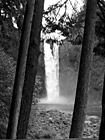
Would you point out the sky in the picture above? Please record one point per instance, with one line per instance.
(51, 2)
(48, 3)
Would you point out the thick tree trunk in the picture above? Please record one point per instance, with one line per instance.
(19, 77)
(102, 126)
(31, 70)
(84, 72)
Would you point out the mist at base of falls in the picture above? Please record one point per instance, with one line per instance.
(59, 100)
(60, 87)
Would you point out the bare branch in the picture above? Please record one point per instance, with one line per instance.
(102, 10)
(73, 6)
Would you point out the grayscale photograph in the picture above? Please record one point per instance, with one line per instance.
(52, 69)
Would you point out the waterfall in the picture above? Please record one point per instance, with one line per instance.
(51, 58)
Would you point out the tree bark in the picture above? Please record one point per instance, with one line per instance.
(102, 125)
(19, 77)
(84, 72)
(31, 70)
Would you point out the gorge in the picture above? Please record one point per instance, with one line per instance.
(63, 60)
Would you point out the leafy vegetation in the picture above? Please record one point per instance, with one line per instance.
(7, 71)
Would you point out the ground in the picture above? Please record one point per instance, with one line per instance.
(46, 124)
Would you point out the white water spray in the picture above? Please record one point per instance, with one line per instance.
(52, 72)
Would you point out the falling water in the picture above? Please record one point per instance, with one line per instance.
(52, 71)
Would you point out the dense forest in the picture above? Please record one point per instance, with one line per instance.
(24, 26)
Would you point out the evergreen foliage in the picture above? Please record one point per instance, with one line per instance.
(7, 72)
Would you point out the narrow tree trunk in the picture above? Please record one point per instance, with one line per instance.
(31, 70)
(102, 126)
(84, 72)
(19, 77)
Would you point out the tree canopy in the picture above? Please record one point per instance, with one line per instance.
(56, 18)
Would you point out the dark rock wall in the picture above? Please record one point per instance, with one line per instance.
(67, 74)
(69, 56)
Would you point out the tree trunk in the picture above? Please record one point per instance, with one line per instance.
(84, 72)
(102, 126)
(19, 77)
(31, 70)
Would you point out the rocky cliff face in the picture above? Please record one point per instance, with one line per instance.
(67, 74)
(69, 65)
